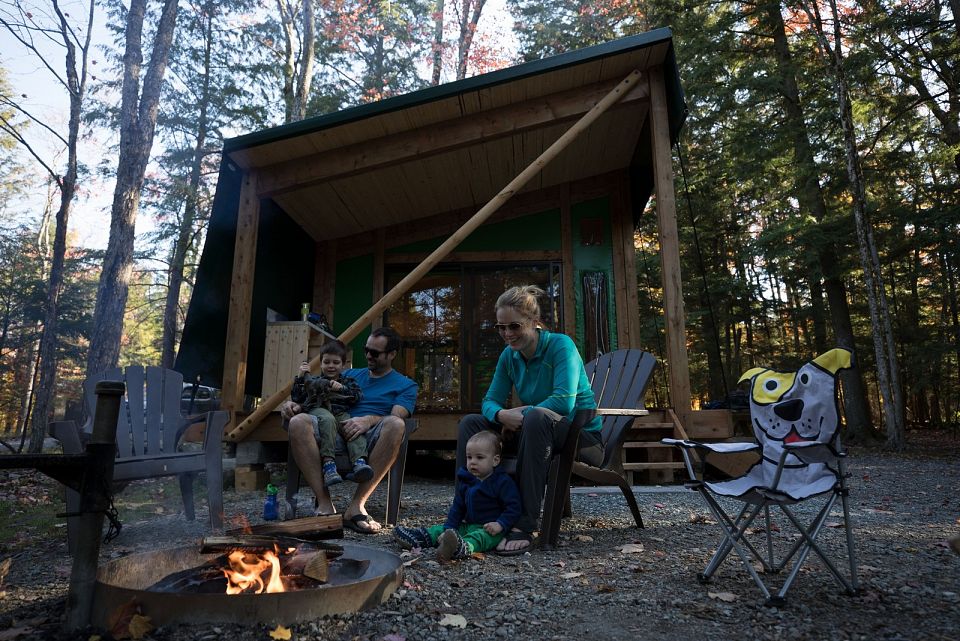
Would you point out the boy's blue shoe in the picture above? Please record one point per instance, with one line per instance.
(412, 537)
(330, 474)
(451, 546)
(361, 472)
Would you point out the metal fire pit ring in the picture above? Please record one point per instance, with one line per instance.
(124, 581)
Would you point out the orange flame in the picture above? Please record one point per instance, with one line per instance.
(246, 569)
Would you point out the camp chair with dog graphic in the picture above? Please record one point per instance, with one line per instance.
(796, 422)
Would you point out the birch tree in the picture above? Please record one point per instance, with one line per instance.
(888, 368)
(138, 117)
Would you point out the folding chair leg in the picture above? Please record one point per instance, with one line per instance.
(733, 531)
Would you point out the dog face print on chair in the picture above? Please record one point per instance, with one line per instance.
(800, 406)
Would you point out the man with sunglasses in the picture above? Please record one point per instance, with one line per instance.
(388, 398)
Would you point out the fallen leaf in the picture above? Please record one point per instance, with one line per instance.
(393, 636)
(118, 624)
(593, 494)
(631, 548)
(583, 538)
(453, 621)
(140, 626)
(571, 575)
(833, 524)
(280, 633)
(868, 568)
(5, 568)
(727, 597)
(606, 589)
(561, 564)
(659, 505)
(94, 637)
(700, 518)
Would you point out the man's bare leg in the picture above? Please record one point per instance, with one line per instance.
(381, 460)
(307, 455)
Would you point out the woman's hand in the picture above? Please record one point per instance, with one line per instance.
(493, 528)
(510, 419)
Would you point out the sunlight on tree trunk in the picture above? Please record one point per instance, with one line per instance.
(138, 118)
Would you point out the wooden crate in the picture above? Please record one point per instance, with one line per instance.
(288, 344)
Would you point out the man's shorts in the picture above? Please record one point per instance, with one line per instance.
(373, 434)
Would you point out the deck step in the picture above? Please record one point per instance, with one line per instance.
(645, 425)
(666, 465)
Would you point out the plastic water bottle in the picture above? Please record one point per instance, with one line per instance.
(270, 505)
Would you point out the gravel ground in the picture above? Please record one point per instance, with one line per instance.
(905, 509)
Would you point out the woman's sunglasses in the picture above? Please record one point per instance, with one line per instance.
(513, 327)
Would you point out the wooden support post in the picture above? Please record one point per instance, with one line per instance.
(94, 500)
(569, 273)
(241, 298)
(448, 245)
(669, 247)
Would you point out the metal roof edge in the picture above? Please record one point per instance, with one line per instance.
(430, 94)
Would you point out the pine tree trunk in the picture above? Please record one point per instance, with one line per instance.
(437, 42)
(289, 59)
(884, 348)
(859, 425)
(468, 28)
(308, 42)
(138, 118)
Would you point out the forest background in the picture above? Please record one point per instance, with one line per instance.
(817, 173)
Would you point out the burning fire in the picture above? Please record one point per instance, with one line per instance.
(246, 569)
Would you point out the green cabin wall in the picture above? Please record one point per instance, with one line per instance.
(538, 231)
(352, 298)
(593, 258)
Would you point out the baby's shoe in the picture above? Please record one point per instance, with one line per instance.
(330, 474)
(361, 472)
(412, 537)
(450, 546)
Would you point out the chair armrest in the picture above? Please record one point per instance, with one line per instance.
(714, 448)
(812, 452)
(68, 434)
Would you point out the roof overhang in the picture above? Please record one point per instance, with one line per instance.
(455, 146)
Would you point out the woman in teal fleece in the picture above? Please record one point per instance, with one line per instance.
(547, 372)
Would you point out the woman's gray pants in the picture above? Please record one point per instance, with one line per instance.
(541, 433)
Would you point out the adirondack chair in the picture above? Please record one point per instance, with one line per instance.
(619, 380)
(148, 438)
(394, 478)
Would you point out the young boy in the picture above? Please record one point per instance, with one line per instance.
(327, 398)
(486, 505)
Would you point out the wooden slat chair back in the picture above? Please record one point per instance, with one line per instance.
(619, 381)
(394, 478)
(149, 430)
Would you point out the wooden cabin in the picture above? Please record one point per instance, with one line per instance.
(336, 210)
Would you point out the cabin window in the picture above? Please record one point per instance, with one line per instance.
(446, 325)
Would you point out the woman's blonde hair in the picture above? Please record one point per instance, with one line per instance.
(522, 298)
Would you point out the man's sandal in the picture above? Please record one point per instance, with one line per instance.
(513, 535)
(353, 522)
